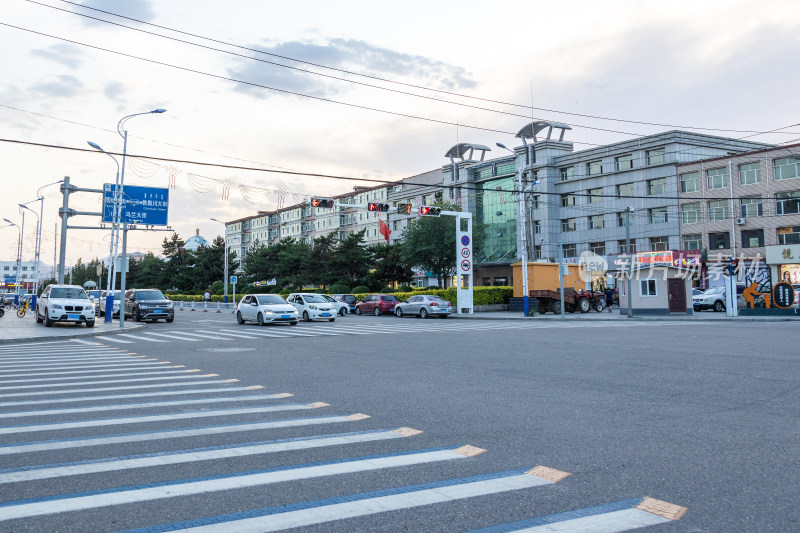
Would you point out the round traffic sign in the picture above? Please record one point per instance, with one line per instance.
(233, 280)
(465, 252)
(465, 240)
(465, 265)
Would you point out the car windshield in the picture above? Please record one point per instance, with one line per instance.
(328, 298)
(313, 299)
(390, 298)
(270, 299)
(72, 293)
(96, 294)
(435, 298)
(149, 295)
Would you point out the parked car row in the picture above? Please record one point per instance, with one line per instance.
(71, 303)
(271, 308)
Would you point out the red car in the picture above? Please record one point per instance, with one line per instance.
(377, 304)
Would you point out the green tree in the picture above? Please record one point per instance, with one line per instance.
(429, 243)
(176, 265)
(322, 253)
(351, 260)
(391, 264)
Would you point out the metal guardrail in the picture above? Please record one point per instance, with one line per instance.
(206, 307)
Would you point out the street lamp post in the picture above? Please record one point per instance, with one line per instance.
(19, 249)
(119, 190)
(225, 280)
(112, 249)
(631, 257)
(36, 254)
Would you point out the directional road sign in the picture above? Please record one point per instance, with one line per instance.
(140, 205)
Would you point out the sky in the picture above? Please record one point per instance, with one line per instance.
(376, 91)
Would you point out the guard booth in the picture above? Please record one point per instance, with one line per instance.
(656, 290)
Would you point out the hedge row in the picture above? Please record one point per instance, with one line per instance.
(480, 296)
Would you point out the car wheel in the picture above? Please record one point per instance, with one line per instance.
(90, 323)
(342, 311)
(306, 318)
(423, 313)
(169, 320)
(38, 318)
(377, 312)
(260, 319)
(358, 311)
(47, 321)
(555, 307)
(293, 323)
(598, 306)
(239, 319)
(331, 319)
(137, 316)
(584, 305)
(719, 306)
(398, 312)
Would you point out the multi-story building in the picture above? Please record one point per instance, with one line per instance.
(26, 274)
(745, 206)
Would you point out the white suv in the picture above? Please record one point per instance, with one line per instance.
(65, 303)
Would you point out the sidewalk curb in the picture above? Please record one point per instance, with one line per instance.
(25, 340)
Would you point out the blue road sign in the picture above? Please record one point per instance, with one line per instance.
(233, 280)
(140, 205)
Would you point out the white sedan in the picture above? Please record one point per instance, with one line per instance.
(265, 309)
(312, 307)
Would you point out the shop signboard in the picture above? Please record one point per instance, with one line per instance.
(783, 295)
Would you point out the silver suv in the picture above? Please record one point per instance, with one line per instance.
(65, 303)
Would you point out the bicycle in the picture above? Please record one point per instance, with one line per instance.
(21, 309)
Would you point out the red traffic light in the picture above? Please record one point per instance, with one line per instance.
(377, 206)
(322, 202)
(430, 211)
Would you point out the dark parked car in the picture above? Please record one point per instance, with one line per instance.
(148, 304)
(349, 299)
(377, 304)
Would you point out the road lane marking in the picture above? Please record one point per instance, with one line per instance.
(356, 505)
(127, 387)
(210, 453)
(125, 374)
(63, 444)
(140, 363)
(139, 337)
(241, 480)
(114, 339)
(607, 518)
(59, 426)
(107, 381)
(173, 336)
(125, 396)
(146, 405)
(123, 369)
(205, 336)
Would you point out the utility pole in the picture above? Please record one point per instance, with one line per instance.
(65, 190)
(628, 211)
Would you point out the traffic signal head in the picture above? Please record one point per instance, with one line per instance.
(322, 202)
(430, 211)
(377, 206)
(404, 209)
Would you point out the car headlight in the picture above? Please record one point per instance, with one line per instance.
(57, 306)
(312, 306)
(268, 312)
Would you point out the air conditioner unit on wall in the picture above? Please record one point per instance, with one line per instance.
(741, 220)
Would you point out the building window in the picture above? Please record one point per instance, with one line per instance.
(657, 156)
(623, 246)
(594, 168)
(659, 244)
(596, 222)
(753, 238)
(690, 213)
(786, 168)
(787, 203)
(537, 252)
(595, 195)
(598, 247)
(718, 210)
(569, 224)
(658, 215)
(24, 268)
(647, 287)
(535, 202)
(483, 173)
(570, 250)
(506, 168)
(690, 182)
(567, 173)
(752, 207)
(717, 178)
(567, 200)
(624, 162)
(719, 241)
(786, 235)
(622, 217)
(749, 174)
(537, 226)
(692, 242)
(626, 189)
(657, 186)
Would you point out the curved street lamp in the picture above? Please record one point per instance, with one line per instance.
(225, 281)
(19, 251)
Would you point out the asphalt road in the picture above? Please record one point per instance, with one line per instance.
(698, 415)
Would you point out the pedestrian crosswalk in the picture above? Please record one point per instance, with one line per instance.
(390, 327)
(146, 445)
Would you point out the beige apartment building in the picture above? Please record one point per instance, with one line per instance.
(743, 206)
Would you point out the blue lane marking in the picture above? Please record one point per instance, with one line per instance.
(319, 503)
(192, 450)
(164, 430)
(211, 478)
(561, 517)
